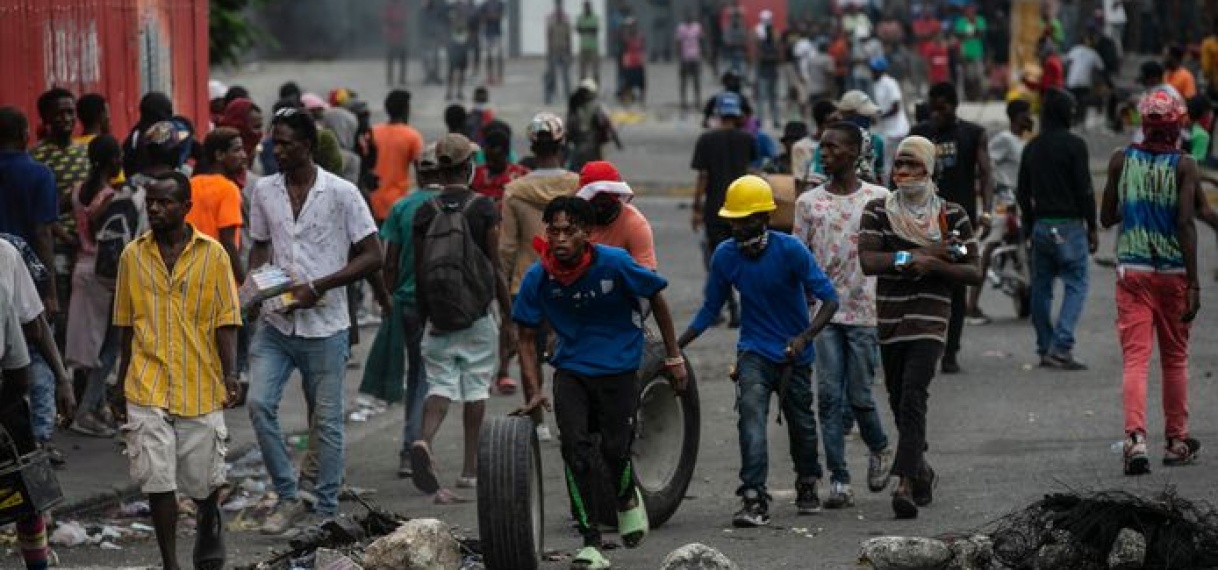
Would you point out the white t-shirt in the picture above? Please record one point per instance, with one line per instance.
(888, 92)
(1005, 150)
(829, 225)
(16, 286)
(13, 352)
(1082, 62)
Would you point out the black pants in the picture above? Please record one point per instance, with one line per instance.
(908, 369)
(955, 325)
(1082, 98)
(395, 59)
(583, 406)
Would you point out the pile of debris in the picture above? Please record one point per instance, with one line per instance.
(1110, 530)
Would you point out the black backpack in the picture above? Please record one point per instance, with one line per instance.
(457, 277)
(117, 229)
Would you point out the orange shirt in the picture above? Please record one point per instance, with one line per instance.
(215, 203)
(631, 232)
(1182, 80)
(397, 147)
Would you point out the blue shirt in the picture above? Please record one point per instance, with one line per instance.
(27, 194)
(597, 318)
(775, 294)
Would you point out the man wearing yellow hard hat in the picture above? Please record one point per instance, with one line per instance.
(778, 280)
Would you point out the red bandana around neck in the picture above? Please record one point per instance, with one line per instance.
(563, 274)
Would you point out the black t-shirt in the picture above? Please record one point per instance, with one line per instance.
(956, 161)
(725, 155)
(482, 215)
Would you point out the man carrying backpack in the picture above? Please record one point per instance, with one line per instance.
(458, 277)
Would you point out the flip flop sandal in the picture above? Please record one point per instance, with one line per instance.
(590, 559)
(632, 525)
(209, 552)
(423, 470)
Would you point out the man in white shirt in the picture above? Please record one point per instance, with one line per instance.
(893, 123)
(307, 221)
(1082, 64)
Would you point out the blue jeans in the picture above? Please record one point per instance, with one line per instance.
(322, 363)
(558, 68)
(42, 397)
(757, 379)
(767, 94)
(94, 397)
(416, 381)
(1067, 261)
(845, 368)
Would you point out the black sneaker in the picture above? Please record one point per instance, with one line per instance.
(922, 487)
(1064, 361)
(754, 513)
(949, 364)
(903, 505)
(807, 501)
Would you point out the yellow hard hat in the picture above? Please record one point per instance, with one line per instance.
(746, 196)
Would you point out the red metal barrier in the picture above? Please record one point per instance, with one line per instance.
(119, 48)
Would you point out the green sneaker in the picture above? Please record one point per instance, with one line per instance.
(590, 559)
(632, 525)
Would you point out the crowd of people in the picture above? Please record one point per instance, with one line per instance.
(123, 261)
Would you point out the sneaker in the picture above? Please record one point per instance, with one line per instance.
(1181, 451)
(89, 424)
(903, 505)
(923, 487)
(1065, 361)
(754, 513)
(840, 496)
(878, 470)
(285, 516)
(423, 468)
(1137, 461)
(806, 499)
(949, 364)
(543, 433)
(467, 482)
(977, 318)
(404, 471)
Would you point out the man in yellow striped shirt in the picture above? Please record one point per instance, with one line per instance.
(176, 304)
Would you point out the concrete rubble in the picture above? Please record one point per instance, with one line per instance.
(1128, 551)
(697, 556)
(974, 552)
(419, 544)
(905, 553)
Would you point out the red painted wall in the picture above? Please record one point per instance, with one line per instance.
(119, 48)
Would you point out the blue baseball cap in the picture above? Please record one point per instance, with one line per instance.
(727, 104)
(878, 63)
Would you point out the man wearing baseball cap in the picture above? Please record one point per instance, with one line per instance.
(893, 123)
(460, 344)
(617, 223)
(721, 155)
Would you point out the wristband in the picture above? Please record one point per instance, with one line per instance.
(674, 362)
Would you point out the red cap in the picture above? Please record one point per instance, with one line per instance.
(598, 171)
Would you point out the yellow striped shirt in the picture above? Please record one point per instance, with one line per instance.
(175, 364)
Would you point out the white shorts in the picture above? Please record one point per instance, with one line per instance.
(461, 364)
(169, 453)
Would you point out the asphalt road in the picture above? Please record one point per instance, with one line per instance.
(1002, 434)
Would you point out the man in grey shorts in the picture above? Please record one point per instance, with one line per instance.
(176, 305)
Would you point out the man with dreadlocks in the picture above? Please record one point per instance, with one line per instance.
(1151, 192)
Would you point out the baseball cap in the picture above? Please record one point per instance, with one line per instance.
(857, 102)
(313, 101)
(878, 63)
(452, 150)
(427, 158)
(546, 123)
(727, 104)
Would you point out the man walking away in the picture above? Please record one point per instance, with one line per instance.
(338, 248)
(1151, 192)
(769, 59)
(721, 156)
(1083, 65)
(558, 53)
(459, 38)
(962, 174)
(397, 147)
(596, 360)
(175, 393)
(588, 25)
(827, 220)
(919, 245)
(1057, 204)
(492, 28)
(456, 236)
(689, 48)
(1006, 150)
(779, 282)
(396, 43)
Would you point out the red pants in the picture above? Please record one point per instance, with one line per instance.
(1150, 304)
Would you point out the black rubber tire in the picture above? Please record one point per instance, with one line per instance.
(511, 510)
(1023, 302)
(664, 491)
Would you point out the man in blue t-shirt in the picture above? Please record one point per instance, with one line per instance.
(591, 295)
(29, 202)
(778, 281)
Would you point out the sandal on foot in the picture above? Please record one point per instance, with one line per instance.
(590, 559)
(423, 469)
(209, 551)
(632, 524)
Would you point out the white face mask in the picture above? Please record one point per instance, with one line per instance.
(915, 189)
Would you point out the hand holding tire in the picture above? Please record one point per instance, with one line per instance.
(679, 377)
(533, 403)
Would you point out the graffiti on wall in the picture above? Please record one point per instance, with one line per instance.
(71, 52)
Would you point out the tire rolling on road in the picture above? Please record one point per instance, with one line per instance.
(511, 510)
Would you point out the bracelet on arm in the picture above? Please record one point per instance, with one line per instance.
(674, 362)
